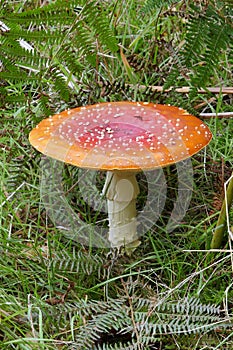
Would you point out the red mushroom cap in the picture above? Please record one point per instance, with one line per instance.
(121, 136)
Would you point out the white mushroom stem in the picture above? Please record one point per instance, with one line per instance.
(121, 190)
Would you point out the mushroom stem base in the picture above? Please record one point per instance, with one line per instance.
(121, 190)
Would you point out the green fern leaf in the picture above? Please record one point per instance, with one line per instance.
(94, 15)
(209, 35)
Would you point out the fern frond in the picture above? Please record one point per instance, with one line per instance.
(83, 40)
(119, 346)
(197, 32)
(16, 77)
(78, 262)
(112, 325)
(209, 35)
(51, 45)
(59, 82)
(66, 55)
(94, 16)
(48, 14)
(47, 35)
(216, 44)
(43, 103)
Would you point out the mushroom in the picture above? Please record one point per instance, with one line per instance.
(122, 138)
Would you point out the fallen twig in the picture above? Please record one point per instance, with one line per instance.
(219, 115)
(187, 89)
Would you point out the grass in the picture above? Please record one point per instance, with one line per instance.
(54, 289)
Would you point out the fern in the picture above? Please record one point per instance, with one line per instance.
(48, 14)
(125, 346)
(50, 45)
(114, 324)
(77, 262)
(209, 35)
(63, 42)
(96, 18)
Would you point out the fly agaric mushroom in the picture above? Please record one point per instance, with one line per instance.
(122, 138)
